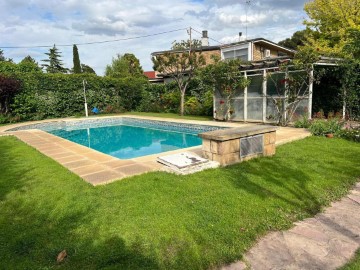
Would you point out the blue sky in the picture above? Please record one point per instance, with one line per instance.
(40, 22)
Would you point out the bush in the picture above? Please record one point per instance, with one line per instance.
(192, 106)
(320, 127)
(352, 134)
(303, 122)
(159, 98)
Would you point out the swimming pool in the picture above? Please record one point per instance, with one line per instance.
(127, 138)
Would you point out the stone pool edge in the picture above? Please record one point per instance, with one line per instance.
(95, 167)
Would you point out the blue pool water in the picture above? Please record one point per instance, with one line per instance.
(125, 142)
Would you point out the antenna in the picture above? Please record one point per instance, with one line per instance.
(246, 18)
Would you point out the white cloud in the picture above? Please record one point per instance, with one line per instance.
(40, 22)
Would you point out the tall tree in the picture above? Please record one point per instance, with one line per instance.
(126, 65)
(180, 64)
(297, 39)
(54, 63)
(76, 60)
(350, 76)
(87, 69)
(331, 20)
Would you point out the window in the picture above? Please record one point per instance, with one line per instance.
(241, 54)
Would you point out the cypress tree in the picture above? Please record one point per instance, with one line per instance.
(76, 60)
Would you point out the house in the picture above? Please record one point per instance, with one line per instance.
(257, 49)
(153, 77)
(259, 56)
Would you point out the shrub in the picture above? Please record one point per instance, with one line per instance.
(193, 106)
(352, 134)
(320, 127)
(303, 122)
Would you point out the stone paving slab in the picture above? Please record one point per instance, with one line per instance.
(324, 242)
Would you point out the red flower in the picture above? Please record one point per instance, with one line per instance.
(222, 102)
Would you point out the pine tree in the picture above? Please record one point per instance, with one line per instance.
(76, 60)
(55, 65)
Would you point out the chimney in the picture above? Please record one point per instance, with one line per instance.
(204, 39)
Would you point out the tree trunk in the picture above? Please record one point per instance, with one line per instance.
(182, 101)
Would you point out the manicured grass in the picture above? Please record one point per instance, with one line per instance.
(160, 220)
(354, 264)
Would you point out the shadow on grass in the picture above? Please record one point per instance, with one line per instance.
(33, 239)
(37, 224)
(290, 180)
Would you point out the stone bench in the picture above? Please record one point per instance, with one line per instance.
(233, 145)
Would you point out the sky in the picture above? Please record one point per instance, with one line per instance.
(139, 26)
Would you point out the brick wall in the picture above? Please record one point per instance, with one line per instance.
(207, 56)
(258, 55)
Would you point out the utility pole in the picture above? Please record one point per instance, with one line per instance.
(246, 19)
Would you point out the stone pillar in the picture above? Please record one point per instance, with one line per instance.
(224, 146)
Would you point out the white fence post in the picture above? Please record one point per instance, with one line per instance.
(264, 90)
(311, 85)
(245, 99)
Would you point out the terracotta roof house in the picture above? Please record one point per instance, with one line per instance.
(153, 77)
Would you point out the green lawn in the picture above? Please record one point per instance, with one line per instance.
(160, 220)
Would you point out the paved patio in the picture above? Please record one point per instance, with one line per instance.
(97, 168)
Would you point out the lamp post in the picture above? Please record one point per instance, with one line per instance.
(85, 104)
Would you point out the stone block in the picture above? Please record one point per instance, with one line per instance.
(269, 150)
(207, 155)
(225, 147)
(206, 145)
(272, 137)
(269, 138)
(226, 159)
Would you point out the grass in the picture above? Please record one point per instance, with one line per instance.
(159, 220)
(354, 264)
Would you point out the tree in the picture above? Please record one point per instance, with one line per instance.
(123, 66)
(8, 88)
(76, 60)
(292, 84)
(55, 65)
(87, 69)
(297, 39)
(28, 64)
(350, 75)
(331, 20)
(225, 78)
(180, 64)
(2, 57)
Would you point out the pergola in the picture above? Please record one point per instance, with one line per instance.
(255, 103)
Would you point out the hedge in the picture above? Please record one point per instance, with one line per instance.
(45, 95)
